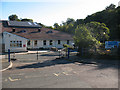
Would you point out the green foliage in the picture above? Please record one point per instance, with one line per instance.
(25, 19)
(70, 20)
(68, 26)
(110, 16)
(56, 26)
(83, 37)
(98, 30)
(13, 17)
(41, 24)
(67, 46)
(50, 27)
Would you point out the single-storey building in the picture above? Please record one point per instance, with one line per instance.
(20, 36)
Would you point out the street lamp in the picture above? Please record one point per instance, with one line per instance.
(103, 36)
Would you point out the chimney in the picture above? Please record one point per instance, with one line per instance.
(13, 30)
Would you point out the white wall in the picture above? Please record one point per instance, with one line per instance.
(0, 43)
(55, 44)
(11, 37)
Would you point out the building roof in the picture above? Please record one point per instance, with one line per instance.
(22, 24)
(39, 33)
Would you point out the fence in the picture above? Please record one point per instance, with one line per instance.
(32, 56)
(68, 52)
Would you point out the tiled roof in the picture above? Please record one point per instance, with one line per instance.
(43, 34)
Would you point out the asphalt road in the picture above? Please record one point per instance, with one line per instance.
(49, 72)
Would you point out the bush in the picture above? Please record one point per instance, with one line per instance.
(68, 46)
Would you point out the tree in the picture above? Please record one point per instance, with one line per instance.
(70, 20)
(41, 24)
(83, 37)
(13, 17)
(25, 19)
(110, 18)
(98, 30)
(56, 26)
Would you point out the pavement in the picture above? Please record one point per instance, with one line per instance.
(5, 65)
(49, 72)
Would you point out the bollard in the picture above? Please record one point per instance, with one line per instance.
(8, 55)
(59, 53)
(68, 52)
(37, 55)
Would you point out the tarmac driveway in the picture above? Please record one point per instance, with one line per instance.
(49, 72)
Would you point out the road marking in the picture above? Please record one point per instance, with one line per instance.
(65, 73)
(10, 66)
(56, 74)
(12, 80)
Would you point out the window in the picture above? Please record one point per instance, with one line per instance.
(20, 43)
(11, 44)
(13, 29)
(51, 42)
(67, 41)
(59, 42)
(44, 42)
(35, 42)
(28, 43)
(15, 43)
(39, 30)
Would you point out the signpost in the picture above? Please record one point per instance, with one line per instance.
(68, 52)
(111, 44)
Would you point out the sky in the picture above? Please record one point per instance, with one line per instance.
(49, 12)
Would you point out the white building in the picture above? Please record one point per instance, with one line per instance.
(20, 36)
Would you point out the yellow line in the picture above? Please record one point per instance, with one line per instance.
(12, 80)
(56, 74)
(65, 73)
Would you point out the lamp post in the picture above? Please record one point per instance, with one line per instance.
(103, 36)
